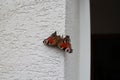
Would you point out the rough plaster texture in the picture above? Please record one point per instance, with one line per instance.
(24, 24)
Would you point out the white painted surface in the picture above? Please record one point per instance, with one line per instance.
(77, 64)
(72, 29)
(24, 24)
(85, 48)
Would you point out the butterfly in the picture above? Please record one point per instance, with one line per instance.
(58, 41)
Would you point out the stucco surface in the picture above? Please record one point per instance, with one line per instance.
(24, 24)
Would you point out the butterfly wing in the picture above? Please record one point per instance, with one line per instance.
(52, 40)
(65, 44)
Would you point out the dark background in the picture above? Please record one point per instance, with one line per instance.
(105, 39)
(105, 16)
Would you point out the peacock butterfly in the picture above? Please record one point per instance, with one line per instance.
(58, 41)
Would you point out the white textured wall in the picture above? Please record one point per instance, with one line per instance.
(23, 26)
